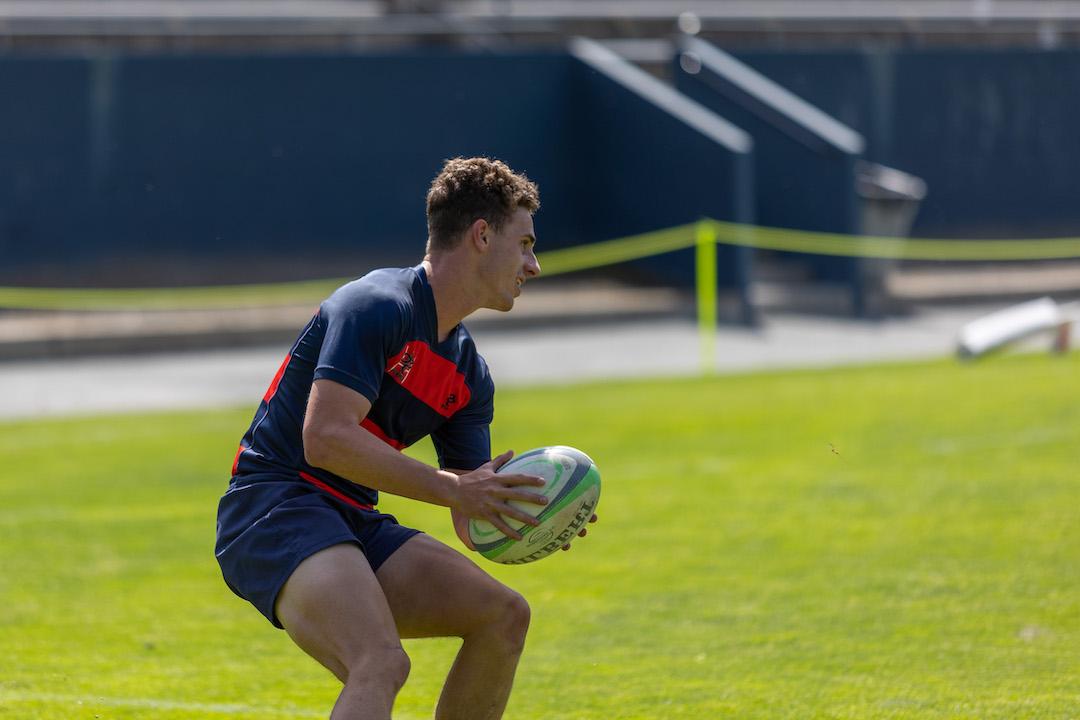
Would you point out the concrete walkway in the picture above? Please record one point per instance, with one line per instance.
(519, 353)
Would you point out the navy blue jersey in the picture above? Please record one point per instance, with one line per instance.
(379, 336)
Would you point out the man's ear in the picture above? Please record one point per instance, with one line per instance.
(479, 234)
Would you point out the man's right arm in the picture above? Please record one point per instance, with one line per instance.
(334, 441)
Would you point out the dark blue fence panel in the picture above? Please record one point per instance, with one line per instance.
(996, 137)
(45, 133)
(242, 168)
(309, 155)
(991, 131)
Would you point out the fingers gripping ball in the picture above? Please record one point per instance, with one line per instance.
(572, 486)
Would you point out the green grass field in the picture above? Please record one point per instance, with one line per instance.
(884, 542)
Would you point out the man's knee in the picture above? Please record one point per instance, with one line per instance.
(388, 667)
(518, 616)
(509, 621)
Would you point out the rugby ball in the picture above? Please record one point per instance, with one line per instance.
(572, 486)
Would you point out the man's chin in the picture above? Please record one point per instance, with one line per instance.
(501, 305)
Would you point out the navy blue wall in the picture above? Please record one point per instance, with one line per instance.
(44, 157)
(270, 153)
(992, 132)
(154, 169)
(157, 161)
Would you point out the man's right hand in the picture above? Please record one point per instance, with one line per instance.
(484, 494)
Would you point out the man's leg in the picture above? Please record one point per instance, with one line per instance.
(333, 607)
(435, 591)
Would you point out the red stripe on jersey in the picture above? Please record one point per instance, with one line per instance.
(429, 377)
(335, 492)
(369, 425)
(272, 390)
(236, 460)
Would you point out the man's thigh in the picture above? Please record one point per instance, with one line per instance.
(435, 591)
(333, 607)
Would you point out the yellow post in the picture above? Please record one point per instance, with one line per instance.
(706, 294)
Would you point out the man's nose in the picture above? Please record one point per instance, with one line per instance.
(532, 266)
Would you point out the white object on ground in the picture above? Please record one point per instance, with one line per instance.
(1015, 323)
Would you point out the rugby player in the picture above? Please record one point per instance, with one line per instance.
(385, 362)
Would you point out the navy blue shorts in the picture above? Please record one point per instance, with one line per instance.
(266, 528)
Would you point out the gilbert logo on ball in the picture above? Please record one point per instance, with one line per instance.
(572, 486)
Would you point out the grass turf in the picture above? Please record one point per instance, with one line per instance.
(890, 542)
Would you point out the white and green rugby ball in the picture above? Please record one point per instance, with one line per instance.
(572, 486)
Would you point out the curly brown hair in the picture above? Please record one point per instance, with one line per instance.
(470, 189)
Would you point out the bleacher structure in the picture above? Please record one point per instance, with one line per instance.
(752, 136)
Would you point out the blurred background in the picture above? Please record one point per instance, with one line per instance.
(189, 143)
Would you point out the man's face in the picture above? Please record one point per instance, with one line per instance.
(510, 260)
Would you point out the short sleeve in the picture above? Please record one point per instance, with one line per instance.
(464, 441)
(361, 332)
